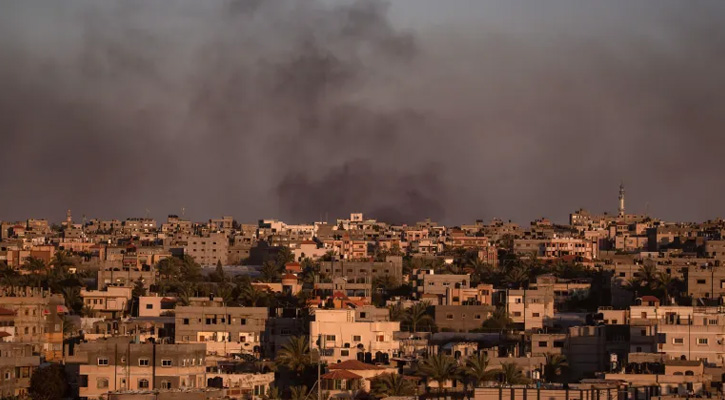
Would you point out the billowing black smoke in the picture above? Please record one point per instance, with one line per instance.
(300, 109)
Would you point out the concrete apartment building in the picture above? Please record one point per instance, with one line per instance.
(18, 362)
(563, 289)
(113, 274)
(118, 365)
(38, 318)
(480, 295)
(706, 282)
(224, 330)
(113, 301)
(458, 318)
(393, 266)
(208, 250)
(556, 247)
(532, 309)
(345, 336)
(430, 284)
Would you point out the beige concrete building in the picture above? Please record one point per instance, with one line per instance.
(118, 365)
(111, 302)
(344, 337)
(458, 318)
(38, 318)
(208, 250)
(224, 330)
(532, 309)
(17, 365)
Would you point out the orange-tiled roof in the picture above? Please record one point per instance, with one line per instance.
(355, 365)
(340, 374)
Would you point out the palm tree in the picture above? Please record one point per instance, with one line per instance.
(648, 274)
(475, 369)
(479, 270)
(439, 367)
(388, 384)
(37, 267)
(517, 276)
(397, 312)
(272, 393)
(269, 272)
(298, 392)
(62, 260)
(252, 296)
(555, 365)
(295, 354)
(665, 282)
(498, 321)
(417, 315)
(511, 374)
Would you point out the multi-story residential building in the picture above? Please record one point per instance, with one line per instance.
(114, 274)
(116, 365)
(18, 362)
(563, 289)
(458, 318)
(38, 318)
(430, 284)
(342, 336)
(111, 301)
(224, 330)
(531, 309)
(393, 266)
(706, 282)
(556, 247)
(480, 295)
(208, 250)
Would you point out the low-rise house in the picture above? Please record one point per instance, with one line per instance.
(112, 302)
(18, 362)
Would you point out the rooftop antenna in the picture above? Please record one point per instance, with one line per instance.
(183, 212)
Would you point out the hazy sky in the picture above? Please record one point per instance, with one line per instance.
(296, 109)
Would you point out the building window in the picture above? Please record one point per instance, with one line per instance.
(186, 321)
(678, 340)
(330, 338)
(143, 362)
(149, 306)
(143, 384)
(700, 281)
(702, 340)
(517, 313)
(102, 383)
(243, 321)
(536, 315)
(558, 343)
(103, 361)
(543, 344)
(381, 338)
(356, 338)
(477, 316)
(166, 363)
(165, 385)
(449, 316)
(344, 353)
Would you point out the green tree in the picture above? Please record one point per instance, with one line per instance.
(253, 297)
(139, 289)
(396, 312)
(417, 315)
(476, 370)
(295, 354)
(555, 366)
(284, 256)
(389, 384)
(73, 300)
(49, 383)
(269, 272)
(511, 374)
(498, 321)
(439, 368)
(272, 393)
(298, 392)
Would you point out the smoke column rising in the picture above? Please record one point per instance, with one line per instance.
(297, 109)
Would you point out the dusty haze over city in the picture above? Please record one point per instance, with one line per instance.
(296, 109)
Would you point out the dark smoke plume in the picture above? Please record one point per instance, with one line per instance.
(402, 110)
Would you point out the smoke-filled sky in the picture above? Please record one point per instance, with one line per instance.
(453, 110)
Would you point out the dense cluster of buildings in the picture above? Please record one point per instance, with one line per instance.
(628, 305)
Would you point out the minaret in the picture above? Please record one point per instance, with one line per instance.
(621, 200)
(68, 218)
